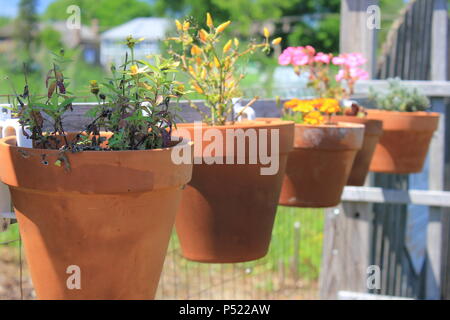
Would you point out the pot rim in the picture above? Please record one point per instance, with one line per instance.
(9, 142)
(416, 114)
(373, 126)
(258, 122)
(336, 125)
(94, 172)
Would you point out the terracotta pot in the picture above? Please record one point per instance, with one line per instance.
(111, 215)
(372, 133)
(319, 166)
(404, 143)
(228, 210)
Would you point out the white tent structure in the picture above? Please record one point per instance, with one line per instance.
(153, 30)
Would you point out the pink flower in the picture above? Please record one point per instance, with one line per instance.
(351, 60)
(340, 60)
(323, 58)
(284, 59)
(355, 60)
(340, 76)
(358, 74)
(310, 50)
(300, 58)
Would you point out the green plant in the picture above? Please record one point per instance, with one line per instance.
(132, 111)
(399, 98)
(34, 110)
(210, 64)
(134, 104)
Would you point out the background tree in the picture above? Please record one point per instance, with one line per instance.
(26, 26)
(110, 13)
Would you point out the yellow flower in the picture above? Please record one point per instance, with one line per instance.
(291, 103)
(266, 32)
(209, 20)
(134, 70)
(236, 42)
(195, 50)
(223, 26)
(203, 35)
(313, 118)
(94, 87)
(329, 106)
(216, 62)
(178, 24)
(186, 26)
(191, 70)
(197, 88)
(227, 46)
(276, 41)
(304, 106)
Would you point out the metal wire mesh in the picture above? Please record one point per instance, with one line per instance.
(289, 271)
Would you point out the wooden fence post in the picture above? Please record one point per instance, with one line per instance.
(346, 249)
(435, 232)
(357, 33)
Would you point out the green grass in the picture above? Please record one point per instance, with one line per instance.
(11, 234)
(309, 236)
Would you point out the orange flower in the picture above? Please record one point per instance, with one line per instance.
(313, 118)
(203, 35)
(329, 106)
(227, 46)
(197, 88)
(223, 26)
(195, 50)
(291, 103)
(298, 105)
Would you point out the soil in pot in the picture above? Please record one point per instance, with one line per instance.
(320, 163)
(228, 210)
(101, 229)
(372, 133)
(405, 141)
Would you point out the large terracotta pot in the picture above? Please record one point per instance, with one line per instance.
(228, 210)
(111, 216)
(404, 143)
(319, 166)
(372, 133)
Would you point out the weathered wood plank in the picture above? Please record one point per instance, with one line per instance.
(428, 88)
(392, 196)
(346, 249)
(354, 19)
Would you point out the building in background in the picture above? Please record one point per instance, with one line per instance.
(113, 48)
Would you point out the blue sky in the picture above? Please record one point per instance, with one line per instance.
(9, 7)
